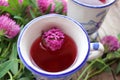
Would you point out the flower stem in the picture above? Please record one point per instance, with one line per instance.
(101, 70)
(11, 78)
(87, 76)
(97, 72)
(4, 54)
(84, 71)
(21, 67)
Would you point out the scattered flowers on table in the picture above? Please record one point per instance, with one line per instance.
(53, 38)
(110, 43)
(105, 62)
(8, 26)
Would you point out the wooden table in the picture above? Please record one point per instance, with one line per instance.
(111, 26)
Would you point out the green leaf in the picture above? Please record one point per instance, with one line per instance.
(1, 9)
(113, 55)
(2, 32)
(6, 49)
(49, 8)
(26, 75)
(99, 64)
(15, 8)
(20, 18)
(33, 3)
(24, 78)
(8, 10)
(13, 55)
(58, 7)
(118, 69)
(4, 67)
(14, 5)
(32, 14)
(25, 3)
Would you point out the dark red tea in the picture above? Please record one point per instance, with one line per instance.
(54, 61)
(103, 1)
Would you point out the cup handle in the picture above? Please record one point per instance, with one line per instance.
(96, 50)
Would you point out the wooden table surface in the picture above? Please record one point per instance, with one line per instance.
(110, 26)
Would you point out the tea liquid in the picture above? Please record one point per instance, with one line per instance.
(54, 61)
(103, 1)
(94, 2)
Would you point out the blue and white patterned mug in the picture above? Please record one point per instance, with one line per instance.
(85, 49)
(90, 16)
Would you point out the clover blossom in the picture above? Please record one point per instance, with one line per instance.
(64, 6)
(3, 3)
(111, 43)
(53, 39)
(44, 4)
(20, 1)
(8, 26)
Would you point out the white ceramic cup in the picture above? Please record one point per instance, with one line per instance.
(90, 16)
(85, 49)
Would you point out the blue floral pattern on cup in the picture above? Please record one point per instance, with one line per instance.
(90, 16)
(94, 24)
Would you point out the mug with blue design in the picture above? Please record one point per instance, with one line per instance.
(85, 50)
(89, 14)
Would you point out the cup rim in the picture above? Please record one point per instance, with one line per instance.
(52, 75)
(94, 6)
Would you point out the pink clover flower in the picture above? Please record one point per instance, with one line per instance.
(111, 43)
(9, 26)
(53, 38)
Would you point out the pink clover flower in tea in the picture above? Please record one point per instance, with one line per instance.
(53, 39)
(3, 3)
(111, 43)
(44, 4)
(9, 26)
